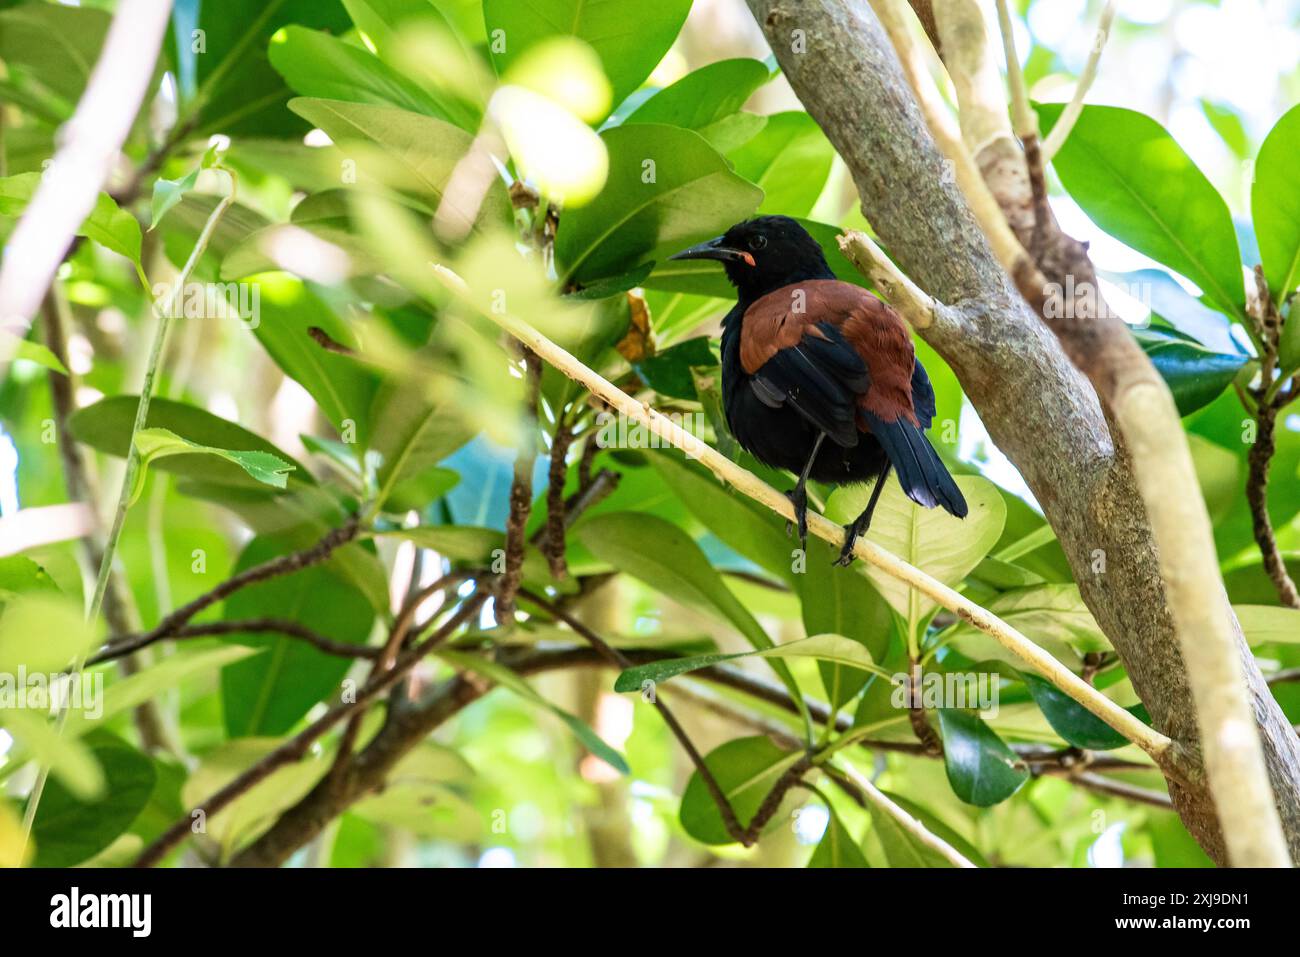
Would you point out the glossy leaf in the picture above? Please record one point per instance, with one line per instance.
(837, 847)
(1275, 209)
(832, 648)
(1138, 184)
(629, 38)
(981, 769)
(106, 427)
(790, 159)
(1195, 375)
(156, 444)
(68, 830)
(229, 82)
(266, 694)
(1071, 720)
(704, 96)
(318, 65)
(667, 189)
(745, 769)
(944, 547)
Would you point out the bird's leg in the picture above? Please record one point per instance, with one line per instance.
(799, 496)
(860, 524)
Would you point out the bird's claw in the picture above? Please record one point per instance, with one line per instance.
(798, 497)
(851, 535)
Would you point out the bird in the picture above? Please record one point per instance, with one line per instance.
(820, 377)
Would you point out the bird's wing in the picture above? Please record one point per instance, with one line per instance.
(792, 347)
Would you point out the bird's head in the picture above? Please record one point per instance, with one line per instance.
(764, 254)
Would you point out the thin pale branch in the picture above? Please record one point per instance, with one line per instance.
(1065, 123)
(1150, 740)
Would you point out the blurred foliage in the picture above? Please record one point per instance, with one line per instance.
(552, 154)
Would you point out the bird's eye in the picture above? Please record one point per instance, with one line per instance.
(758, 242)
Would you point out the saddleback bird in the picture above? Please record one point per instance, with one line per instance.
(807, 358)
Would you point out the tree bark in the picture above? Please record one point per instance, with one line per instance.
(1037, 407)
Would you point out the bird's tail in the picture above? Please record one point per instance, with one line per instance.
(920, 471)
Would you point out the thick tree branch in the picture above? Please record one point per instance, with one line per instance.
(1009, 362)
(1100, 344)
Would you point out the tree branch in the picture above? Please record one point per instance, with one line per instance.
(1008, 362)
(749, 484)
(91, 141)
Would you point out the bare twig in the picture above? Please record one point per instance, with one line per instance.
(521, 494)
(1065, 123)
(559, 470)
(128, 644)
(297, 747)
(272, 568)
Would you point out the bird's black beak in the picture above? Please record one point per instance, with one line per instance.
(715, 249)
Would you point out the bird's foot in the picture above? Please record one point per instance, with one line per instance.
(852, 532)
(798, 497)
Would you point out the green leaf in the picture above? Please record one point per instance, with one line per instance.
(155, 444)
(1135, 182)
(833, 648)
(1227, 123)
(319, 65)
(20, 575)
(837, 847)
(704, 96)
(1071, 720)
(507, 678)
(411, 435)
(68, 830)
(669, 372)
(745, 770)
(342, 385)
(124, 694)
(692, 194)
(418, 152)
(42, 632)
(476, 546)
(106, 427)
(33, 352)
(1268, 624)
(1195, 375)
(981, 768)
(69, 760)
(665, 558)
(630, 38)
(790, 159)
(901, 847)
(167, 193)
(1053, 616)
(739, 522)
(838, 601)
(230, 81)
(54, 45)
(108, 224)
(944, 547)
(255, 810)
(1275, 209)
(267, 694)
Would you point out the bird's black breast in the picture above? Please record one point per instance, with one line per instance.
(781, 437)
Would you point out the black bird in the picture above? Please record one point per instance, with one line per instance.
(807, 358)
